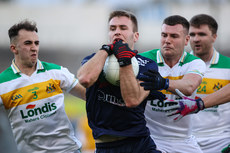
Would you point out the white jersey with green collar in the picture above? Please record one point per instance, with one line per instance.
(214, 121)
(35, 107)
(161, 126)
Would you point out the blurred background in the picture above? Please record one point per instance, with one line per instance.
(69, 30)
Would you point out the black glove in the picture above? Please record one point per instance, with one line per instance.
(153, 81)
(108, 48)
(154, 94)
(123, 53)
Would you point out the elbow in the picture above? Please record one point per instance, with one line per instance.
(189, 91)
(84, 81)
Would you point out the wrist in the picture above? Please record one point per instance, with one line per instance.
(200, 104)
(166, 86)
(124, 61)
(107, 48)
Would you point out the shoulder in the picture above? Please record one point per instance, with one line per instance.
(146, 63)
(222, 63)
(144, 60)
(152, 54)
(50, 66)
(189, 57)
(8, 75)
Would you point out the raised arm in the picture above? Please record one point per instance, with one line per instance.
(133, 94)
(90, 71)
(131, 91)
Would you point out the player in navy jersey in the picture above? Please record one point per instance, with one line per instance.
(116, 113)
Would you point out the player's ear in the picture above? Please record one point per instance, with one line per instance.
(13, 48)
(136, 36)
(214, 36)
(187, 37)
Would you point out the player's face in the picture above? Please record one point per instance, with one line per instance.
(26, 48)
(201, 40)
(173, 40)
(122, 28)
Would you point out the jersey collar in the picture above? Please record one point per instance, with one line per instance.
(215, 56)
(17, 70)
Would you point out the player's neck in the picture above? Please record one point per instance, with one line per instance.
(27, 70)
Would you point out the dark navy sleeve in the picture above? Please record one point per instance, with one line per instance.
(145, 64)
(87, 58)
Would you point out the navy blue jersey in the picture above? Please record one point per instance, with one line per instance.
(106, 110)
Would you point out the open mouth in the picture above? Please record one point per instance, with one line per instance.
(117, 39)
(197, 46)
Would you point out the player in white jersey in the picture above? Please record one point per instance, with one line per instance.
(31, 91)
(212, 125)
(184, 71)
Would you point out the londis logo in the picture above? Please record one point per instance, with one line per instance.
(31, 111)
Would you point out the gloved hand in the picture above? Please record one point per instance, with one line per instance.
(123, 53)
(108, 48)
(184, 106)
(154, 94)
(153, 81)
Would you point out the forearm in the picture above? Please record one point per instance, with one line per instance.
(184, 87)
(187, 85)
(131, 91)
(219, 97)
(91, 70)
(79, 91)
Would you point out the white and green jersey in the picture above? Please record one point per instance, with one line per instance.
(35, 107)
(161, 126)
(214, 121)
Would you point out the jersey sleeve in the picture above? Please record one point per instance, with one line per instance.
(197, 67)
(87, 58)
(145, 64)
(68, 80)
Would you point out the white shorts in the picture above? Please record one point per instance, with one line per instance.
(188, 145)
(213, 144)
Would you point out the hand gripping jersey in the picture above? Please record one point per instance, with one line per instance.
(161, 126)
(214, 123)
(35, 107)
(106, 110)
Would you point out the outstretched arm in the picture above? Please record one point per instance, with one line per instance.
(154, 81)
(219, 97)
(78, 91)
(185, 106)
(187, 85)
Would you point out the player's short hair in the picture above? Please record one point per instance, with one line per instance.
(177, 19)
(24, 24)
(204, 19)
(127, 14)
